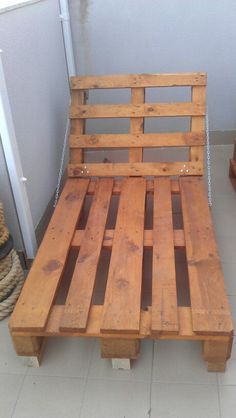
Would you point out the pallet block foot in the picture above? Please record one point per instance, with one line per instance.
(30, 361)
(29, 348)
(115, 348)
(216, 354)
(121, 363)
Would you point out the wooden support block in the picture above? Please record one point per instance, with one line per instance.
(31, 347)
(216, 353)
(121, 363)
(115, 348)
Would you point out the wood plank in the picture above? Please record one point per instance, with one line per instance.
(177, 139)
(137, 124)
(179, 241)
(141, 110)
(135, 169)
(94, 324)
(210, 307)
(80, 293)
(118, 183)
(123, 292)
(164, 294)
(34, 304)
(77, 126)
(198, 123)
(138, 80)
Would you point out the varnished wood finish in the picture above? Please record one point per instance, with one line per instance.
(137, 111)
(138, 80)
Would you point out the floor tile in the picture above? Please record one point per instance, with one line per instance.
(184, 401)
(116, 399)
(141, 368)
(180, 361)
(68, 357)
(227, 248)
(232, 301)
(229, 270)
(228, 401)
(4, 322)
(9, 361)
(223, 213)
(50, 397)
(229, 376)
(10, 387)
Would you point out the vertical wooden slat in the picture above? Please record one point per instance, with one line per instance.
(79, 297)
(164, 295)
(77, 125)
(136, 124)
(38, 294)
(209, 304)
(123, 293)
(198, 123)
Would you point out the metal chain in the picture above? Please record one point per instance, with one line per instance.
(208, 161)
(60, 173)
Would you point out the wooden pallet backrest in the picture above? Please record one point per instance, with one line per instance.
(137, 140)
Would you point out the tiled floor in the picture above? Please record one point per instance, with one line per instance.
(168, 381)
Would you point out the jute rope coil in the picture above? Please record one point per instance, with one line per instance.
(4, 233)
(11, 273)
(10, 284)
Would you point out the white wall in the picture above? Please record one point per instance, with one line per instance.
(35, 70)
(138, 36)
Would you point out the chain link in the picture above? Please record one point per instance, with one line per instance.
(208, 161)
(60, 173)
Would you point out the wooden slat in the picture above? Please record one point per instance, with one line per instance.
(123, 292)
(94, 325)
(137, 124)
(147, 240)
(177, 139)
(198, 123)
(79, 297)
(164, 294)
(138, 80)
(210, 308)
(118, 183)
(33, 306)
(141, 110)
(77, 125)
(135, 169)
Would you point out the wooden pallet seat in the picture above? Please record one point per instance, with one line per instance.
(73, 289)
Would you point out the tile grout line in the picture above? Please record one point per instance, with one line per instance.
(86, 379)
(19, 393)
(151, 377)
(218, 393)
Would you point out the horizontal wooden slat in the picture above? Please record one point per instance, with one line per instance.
(95, 319)
(138, 80)
(139, 110)
(137, 140)
(179, 240)
(135, 169)
(117, 187)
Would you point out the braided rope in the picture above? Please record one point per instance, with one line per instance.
(4, 233)
(10, 284)
(5, 266)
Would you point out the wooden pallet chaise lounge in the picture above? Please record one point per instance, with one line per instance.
(120, 320)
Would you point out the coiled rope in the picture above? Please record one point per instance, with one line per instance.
(11, 273)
